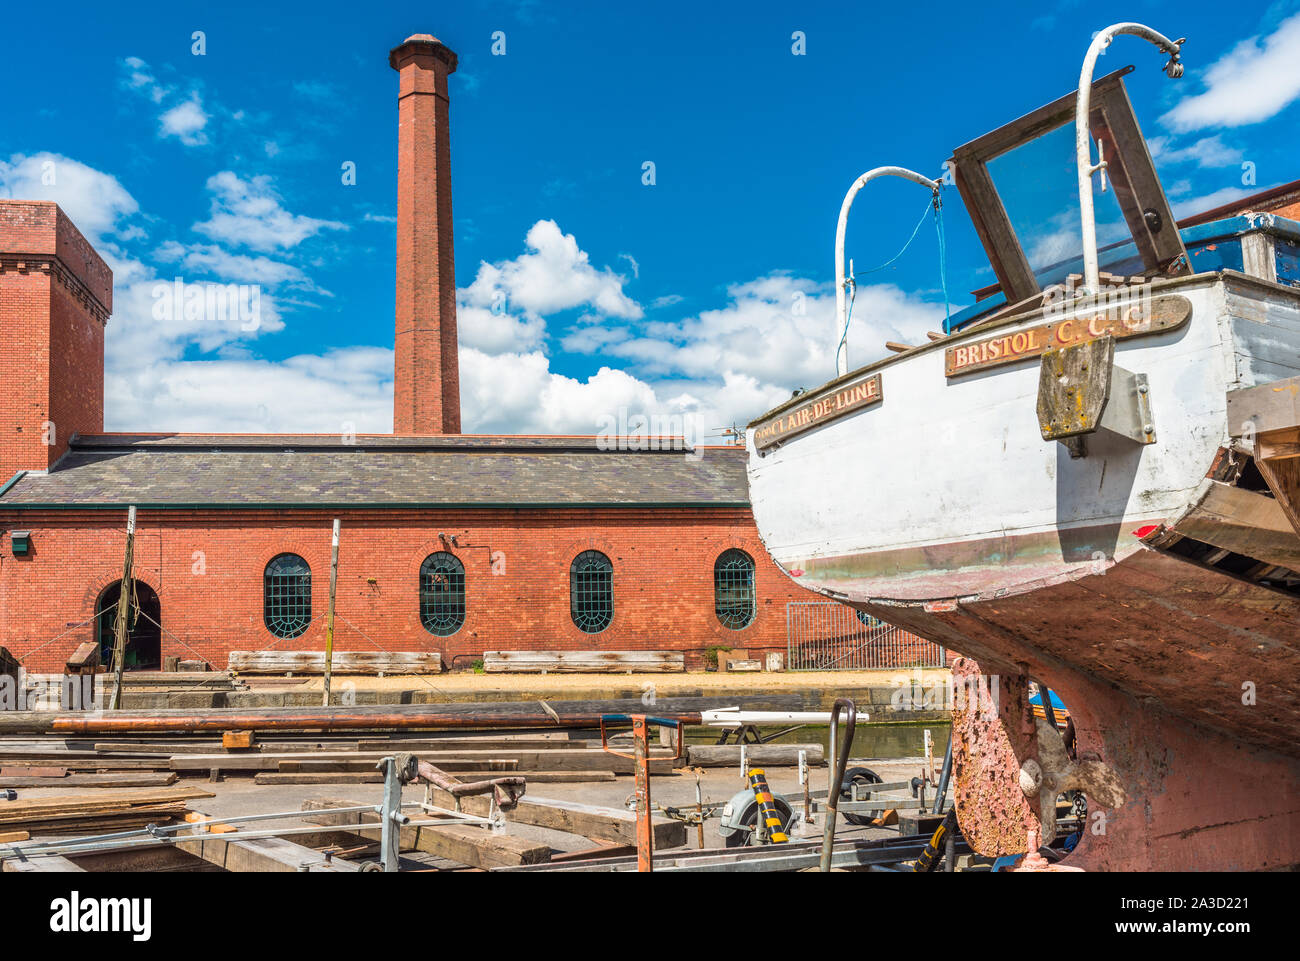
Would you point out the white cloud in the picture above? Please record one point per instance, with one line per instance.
(497, 332)
(1205, 202)
(1206, 152)
(340, 390)
(249, 213)
(140, 77)
(185, 122)
(216, 262)
(779, 329)
(1254, 81)
(555, 275)
(97, 202)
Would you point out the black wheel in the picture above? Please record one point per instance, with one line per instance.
(741, 839)
(859, 776)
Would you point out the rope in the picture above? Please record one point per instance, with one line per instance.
(852, 283)
(378, 646)
(23, 657)
(943, 262)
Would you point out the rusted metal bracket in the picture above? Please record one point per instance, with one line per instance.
(1081, 391)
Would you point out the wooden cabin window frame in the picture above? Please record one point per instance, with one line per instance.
(1130, 173)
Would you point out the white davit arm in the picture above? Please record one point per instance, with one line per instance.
(735, 717)
(1082, 135)
(841, 302)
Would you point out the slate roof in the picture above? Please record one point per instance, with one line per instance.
(180, 471)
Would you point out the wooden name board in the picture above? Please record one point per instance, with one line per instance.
(1128, 320)
(825, 408)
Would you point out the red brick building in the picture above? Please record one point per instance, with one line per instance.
(450, 543)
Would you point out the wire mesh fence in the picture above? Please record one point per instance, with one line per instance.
(827, 636)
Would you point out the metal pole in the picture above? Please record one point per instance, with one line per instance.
(841, 302)
(644, 834)
(837, 761)
(125, 592)
(329, 623)
(1082, 134)
(699, 804)
(941, 795)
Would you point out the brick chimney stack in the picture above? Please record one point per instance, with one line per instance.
(426, 381)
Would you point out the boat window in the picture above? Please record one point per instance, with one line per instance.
(1020, 186)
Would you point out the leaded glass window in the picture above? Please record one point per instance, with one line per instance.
(442, 594)
(287, 595)
(591, 591)
(733, 589)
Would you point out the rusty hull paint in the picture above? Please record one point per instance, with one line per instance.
(1150, 656)
(987, 745)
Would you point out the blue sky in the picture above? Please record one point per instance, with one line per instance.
(706, 295)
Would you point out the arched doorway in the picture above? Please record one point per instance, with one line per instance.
(143, 640)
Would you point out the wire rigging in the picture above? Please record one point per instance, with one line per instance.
(935, 204)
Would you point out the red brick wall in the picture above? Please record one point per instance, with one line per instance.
(24, 369)
(663, 580)
(55, 295)
(426, 376)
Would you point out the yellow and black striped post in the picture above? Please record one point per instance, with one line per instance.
(769, 816)
(930, 856)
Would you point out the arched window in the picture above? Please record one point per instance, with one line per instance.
(286, 595)
(733, 589)
(442, 594)
(591, 592)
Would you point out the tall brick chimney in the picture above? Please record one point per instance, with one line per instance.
(56, 294)
(426, 378)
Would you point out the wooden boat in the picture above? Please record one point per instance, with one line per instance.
(1099, 492)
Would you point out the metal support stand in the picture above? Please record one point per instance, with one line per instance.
(641, 756)
(399, 770)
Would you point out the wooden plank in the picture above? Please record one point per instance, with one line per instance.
(474, 846)
(565, 760)
(144, 779)
(236, 740)
(361, 777)
(324, 777)
(572, 817)
(88, 803)
(585, 662)
(262, 855)
(28, 771)
(213, 747)
(770, 755)
(1283, 479)
(537, 742)
(41, 864)
(1269, 407)
(84, 658)
(311, 766)
(1244, 522)
(10, 837)
(344, 662)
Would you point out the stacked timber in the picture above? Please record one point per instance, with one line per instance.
(379, 663)
(96, 813)
(540, 756)
(584, 662)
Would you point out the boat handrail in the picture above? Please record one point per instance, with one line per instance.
(1082, 133)
(841, 305)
